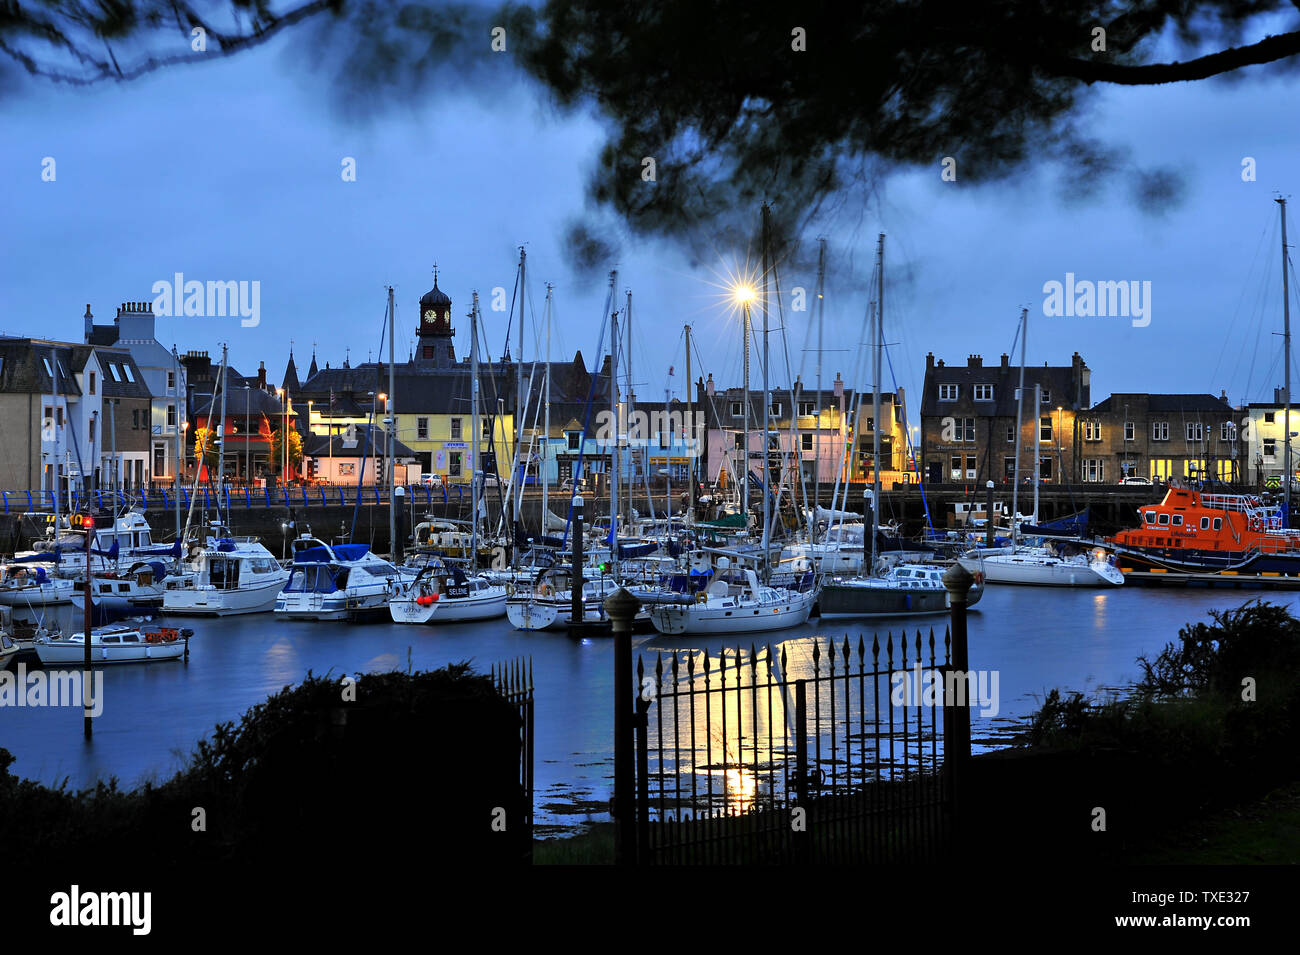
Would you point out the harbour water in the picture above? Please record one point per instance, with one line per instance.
(1035, 638)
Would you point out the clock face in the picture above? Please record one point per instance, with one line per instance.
(428, 315)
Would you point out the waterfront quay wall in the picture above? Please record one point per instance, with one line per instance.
(274, 515)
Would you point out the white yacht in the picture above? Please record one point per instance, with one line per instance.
(231, 575)
(338, 582)
(120, 643)
(726, 607)
(138, 589)
(547, 604)
(1042, 566)
(443, 594)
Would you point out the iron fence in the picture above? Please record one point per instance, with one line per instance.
(513, 681)
(824, 752)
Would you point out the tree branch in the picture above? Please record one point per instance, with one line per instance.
(1268, 50)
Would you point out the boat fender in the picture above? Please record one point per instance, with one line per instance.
(510, 588)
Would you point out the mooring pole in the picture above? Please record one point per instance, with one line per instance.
(88, 523)
(621, 607)
(988, 516)
(575, 591)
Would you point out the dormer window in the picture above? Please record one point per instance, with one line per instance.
(947, 392)
(737, 409)
(983, 392)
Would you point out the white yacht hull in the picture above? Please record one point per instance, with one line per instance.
(712, 617)
(210, 601)
(1009, 569)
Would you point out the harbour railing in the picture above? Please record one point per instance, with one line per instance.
(241, 496)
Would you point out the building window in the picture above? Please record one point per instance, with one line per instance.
(126, 370)
(1161, 469)
(92, 430)
(171, 381)
(1045, 468)
(1092, 431)
(955, 470)
(422, 429)
(573, 439)
(871, 426)
(487, 429)
(1046, 397)
(947, 392)
(740, 442)
(171, 416)
(92, 382)
(135, 419)
(112, 370)
(983, 392)
(806, 442)
(1011, 433)
(159, 460)
(1268, 415)
(1009, 468)
(1094, 470)
(58, 416)
(1270, 447)
(427, 352)
(1194, 432)
(456, 429)
(453, 464)
(807, 409)
(776, 409)
(50, 371)
(1194, 469)
(1045, 428)
(1227, 431)
(1159, 430)
(1129, 431)
(737, 409)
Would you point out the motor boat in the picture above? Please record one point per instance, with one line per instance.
(118, 544)
(440, 593)
(338, 582)
(33, 585)
(138, 589)
(902, 590)
(120, 643)
(231, 575)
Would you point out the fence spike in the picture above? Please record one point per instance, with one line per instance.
(875, 650)
(846, 650)
(784, 668)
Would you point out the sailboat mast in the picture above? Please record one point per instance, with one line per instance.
(614, 448)
(689, 433)
(744, 464)
(631, 407)
(543, 471)
(1020, 418)
(1038, 434)
(875, 401)
(817, 426)
(767, 400)
(475, 467)
(1286, 352)
(519, 396)
(221, 433)
(390, 426)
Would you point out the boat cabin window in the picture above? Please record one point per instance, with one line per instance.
(130, 638)
(1205, 523)
(110, 639)
(1218, 523)
(1178, 519)
(1150, 516)
(1164, 519)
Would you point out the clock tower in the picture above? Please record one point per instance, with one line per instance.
(434, 347)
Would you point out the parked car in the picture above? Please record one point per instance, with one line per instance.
(1134, 479)
(431, 480)
(567, 486)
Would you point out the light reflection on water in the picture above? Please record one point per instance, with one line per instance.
(1037, 639)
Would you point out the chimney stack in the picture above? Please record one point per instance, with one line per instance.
(261, 375)
(1006, 361)
(839, 386)
(708, 386)
(974, 361)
